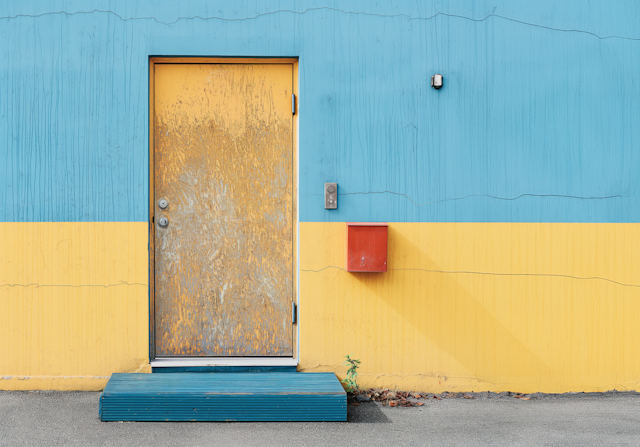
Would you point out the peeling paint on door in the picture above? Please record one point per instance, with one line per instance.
(224, 161)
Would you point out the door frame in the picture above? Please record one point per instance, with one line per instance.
(222, 361)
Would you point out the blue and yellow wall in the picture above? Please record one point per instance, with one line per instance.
(512, 193)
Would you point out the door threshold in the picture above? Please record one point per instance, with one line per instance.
(173, 362)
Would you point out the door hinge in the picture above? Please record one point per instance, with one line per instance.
(294, 313)
(293, 103)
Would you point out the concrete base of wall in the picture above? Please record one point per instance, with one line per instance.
(60, 383)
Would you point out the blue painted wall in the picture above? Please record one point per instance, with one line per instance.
(537, 121)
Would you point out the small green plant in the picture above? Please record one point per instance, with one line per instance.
(352, 374)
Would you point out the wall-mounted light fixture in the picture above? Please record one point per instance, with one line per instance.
(436, 81)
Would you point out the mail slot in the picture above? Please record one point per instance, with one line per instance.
(366, 247)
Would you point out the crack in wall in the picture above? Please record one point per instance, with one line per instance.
(470, 272)
(37, 286)
(462, 272)
(327, 8)
(562, 196)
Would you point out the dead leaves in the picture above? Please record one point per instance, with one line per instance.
(396, 398)
(414, 399)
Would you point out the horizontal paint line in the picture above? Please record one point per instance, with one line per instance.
(468, 272)
(386, 220)
(51, 377)
(37, 286)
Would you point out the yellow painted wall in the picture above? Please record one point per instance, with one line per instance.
(73, 303)
(478, 306)
(469, 306)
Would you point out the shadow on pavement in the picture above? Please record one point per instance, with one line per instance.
(366, 413)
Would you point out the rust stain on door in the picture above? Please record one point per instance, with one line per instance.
(224, 162)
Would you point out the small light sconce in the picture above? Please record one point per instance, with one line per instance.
(436, 81)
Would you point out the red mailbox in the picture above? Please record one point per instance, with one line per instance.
(366, 247)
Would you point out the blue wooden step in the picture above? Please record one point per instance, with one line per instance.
(271, 396)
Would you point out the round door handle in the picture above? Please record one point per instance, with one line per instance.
(163, 222)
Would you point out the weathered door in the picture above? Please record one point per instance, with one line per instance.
(223, 136)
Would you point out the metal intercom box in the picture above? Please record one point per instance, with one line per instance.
(367, 247)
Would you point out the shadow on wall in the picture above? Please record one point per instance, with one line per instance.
(518, 307)
(451, 317)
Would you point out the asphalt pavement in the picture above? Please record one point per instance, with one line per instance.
(49, 418)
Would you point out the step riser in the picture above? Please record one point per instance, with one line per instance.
(289, 408)
(268, 397)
